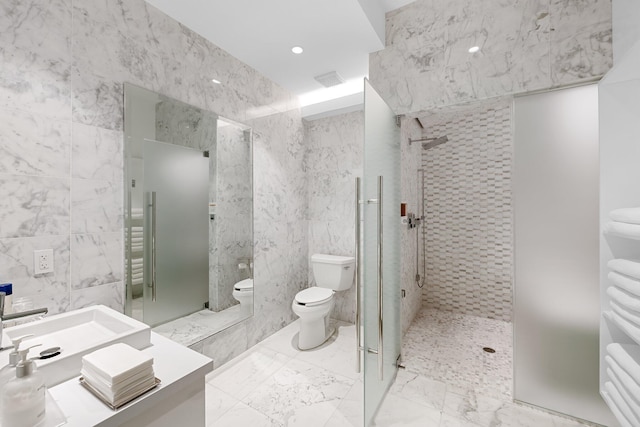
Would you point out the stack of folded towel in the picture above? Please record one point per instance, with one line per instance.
(625, 295)
(624, 223)
(119, 373)
(624, 385)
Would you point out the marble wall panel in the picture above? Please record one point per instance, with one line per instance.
(36, 56)
(96, 153)
(96, 206)
(96, 259)
(33, 144)
(524, 46)
(33, 206)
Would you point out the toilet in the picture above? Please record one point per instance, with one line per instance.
(243, 293)
(332, 273)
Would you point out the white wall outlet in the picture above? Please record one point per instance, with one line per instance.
(43, 261)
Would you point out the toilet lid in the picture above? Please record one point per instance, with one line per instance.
(313, 295)
(244, 285)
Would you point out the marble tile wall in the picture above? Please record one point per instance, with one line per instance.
(525, 45)
(468, 230)
(334, 159)
(61, 119)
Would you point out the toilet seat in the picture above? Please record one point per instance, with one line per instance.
(244, 285)
(313, 296)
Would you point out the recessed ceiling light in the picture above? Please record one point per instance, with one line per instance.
(297, 50)
(474, 49)
(216, 81)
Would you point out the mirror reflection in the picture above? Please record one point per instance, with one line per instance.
(188, 215)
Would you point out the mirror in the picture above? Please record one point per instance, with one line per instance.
(188, 217)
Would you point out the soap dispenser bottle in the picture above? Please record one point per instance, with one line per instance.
(8, 372)
(23, 398)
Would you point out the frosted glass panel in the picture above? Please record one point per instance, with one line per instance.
(381, 158)
(179, 177)
(556, 252)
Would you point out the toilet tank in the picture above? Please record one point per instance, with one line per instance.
(333, 271)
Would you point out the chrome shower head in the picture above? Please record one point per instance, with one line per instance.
(433, 142)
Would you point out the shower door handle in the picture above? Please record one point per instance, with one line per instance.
(380, 283)
(153, 206)
(358, 277)
(379, 352)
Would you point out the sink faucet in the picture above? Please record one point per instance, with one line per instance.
(14, 316)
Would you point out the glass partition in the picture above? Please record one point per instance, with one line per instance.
(556, 315)
(381, 248)
(188, 216)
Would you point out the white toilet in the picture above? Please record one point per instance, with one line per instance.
(313, 305)
(243, 293)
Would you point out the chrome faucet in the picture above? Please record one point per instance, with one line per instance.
(14, 316)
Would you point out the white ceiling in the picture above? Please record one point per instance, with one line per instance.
(337, 35)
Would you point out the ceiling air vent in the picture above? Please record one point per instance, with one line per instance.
(329, 79)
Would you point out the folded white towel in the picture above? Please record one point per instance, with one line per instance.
(628, 215)
(622, 229)
(136, 261)
(625, 266)
(137, 247)
(633, 405)
(621, 404)
(615, 410)
(623, 298)
(139, 239)
(137, 276)
(116, 390)
(117, 362)
(626, 355)
(627, 381)
(137, 281)
(627, 283)
(629, 315)
(136, 229)
(629, 328)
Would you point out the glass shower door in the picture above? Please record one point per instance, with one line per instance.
(381, 250)
(176, 231)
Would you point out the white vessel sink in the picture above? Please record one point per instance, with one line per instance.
(77, 333)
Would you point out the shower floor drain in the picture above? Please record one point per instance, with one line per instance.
(488, 349)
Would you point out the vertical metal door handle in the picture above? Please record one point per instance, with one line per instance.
(358, 274)
(380, 282)
(153, 206)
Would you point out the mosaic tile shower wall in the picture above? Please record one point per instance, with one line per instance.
(468, 205)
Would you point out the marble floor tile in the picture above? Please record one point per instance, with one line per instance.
(243, 415)
(396, 411)
(300, 394)
(245, 373)
(350, 412)
(419, 389)
(285, 340)
(218, 404)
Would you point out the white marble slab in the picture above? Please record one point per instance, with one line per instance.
(96, 259)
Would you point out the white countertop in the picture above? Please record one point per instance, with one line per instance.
(176, 367)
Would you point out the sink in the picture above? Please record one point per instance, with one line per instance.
(77, 333)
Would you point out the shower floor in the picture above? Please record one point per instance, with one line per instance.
(449, 381)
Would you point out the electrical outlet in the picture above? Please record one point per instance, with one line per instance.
(43, 261)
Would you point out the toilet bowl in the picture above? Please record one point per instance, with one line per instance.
(332, 273)
(243, 293)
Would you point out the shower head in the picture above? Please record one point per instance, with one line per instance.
(433, 142)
